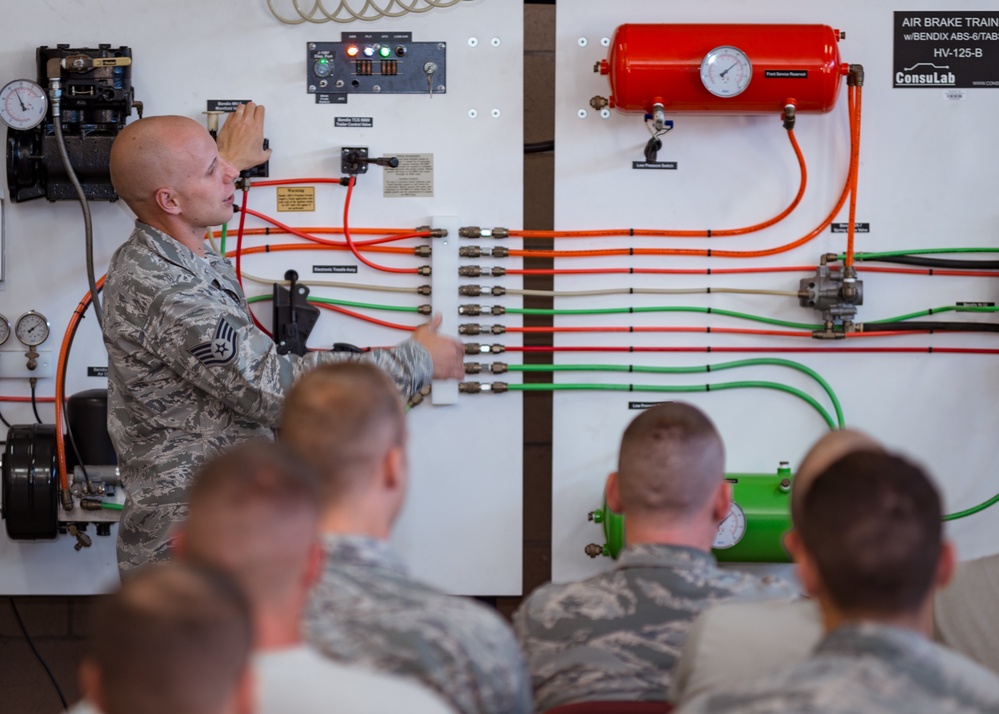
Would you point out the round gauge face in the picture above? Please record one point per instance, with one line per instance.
(732, 529)
(32, 328)
(4, 329)
(23, 104)
(726, 71)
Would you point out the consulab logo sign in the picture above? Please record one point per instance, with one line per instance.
(946, 49)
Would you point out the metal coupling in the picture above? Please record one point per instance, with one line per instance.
(501, 252)
(470, 271)
(470, 310)
(470, 251)
(473, 367)
(497, 310)
(417, 398)
(479, 387)
(497, 272)
(438, 232)
(67, 500)
(426, 309)
(499, 368)
(789, 115)
(497, 290)
(498, 329)
(469, 387)
(424, 270)
(424, 290)
(593, 550)
(470, 232)
(470, 328)
(598, 102)
(856, 76)
(470, 290)
(422, 251)
(474, 348)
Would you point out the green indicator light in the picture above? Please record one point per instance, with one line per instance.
(384, 51)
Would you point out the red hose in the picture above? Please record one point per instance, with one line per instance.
(350, 243)
(851, 350)
(239, 257)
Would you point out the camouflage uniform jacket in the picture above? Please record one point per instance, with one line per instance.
(189, 375)
(616, 636)
(367, 610)
(869, 668)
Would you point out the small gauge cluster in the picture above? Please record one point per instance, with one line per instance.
(31, 328)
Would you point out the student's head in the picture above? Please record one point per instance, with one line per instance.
(872, 536)
(168, 169)
(833, 446)
(347, 420)
(253, 513)
(175, 638)
(671, 465)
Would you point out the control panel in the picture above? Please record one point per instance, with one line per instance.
(375, 63)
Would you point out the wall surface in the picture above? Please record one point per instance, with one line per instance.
(925, 181)
(462, 526)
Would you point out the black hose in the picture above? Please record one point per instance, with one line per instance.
(927, 262)
(87, 223)
(34, 401)
(903, 326)
(539, 147)
(41, 660)
(5, 422)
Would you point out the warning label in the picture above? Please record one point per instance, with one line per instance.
(413, 178)
(946, 49)
(296, 198)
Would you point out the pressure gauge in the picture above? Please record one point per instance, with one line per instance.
(32, 328)
(726, 71)
(23, 104)
(732, 529)
(4, 329)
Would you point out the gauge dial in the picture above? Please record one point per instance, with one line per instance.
(23, 104)
(726, 71)
(732, 529)
(32, 328)
(4, 329)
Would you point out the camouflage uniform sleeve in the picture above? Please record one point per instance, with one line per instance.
(216, 347)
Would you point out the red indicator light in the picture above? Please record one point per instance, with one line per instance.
(352, 51)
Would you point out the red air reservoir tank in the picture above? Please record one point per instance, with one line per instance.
(738, 69)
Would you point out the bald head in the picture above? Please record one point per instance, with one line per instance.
(671, 461)
(826, 451)
(157, 152)
(173, 639)
(344, 419)
(253, 514)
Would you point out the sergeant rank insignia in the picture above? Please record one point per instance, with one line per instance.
(221, 349)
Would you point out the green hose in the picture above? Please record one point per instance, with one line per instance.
(692, 370)
(679, 389)
(923, 251)
(933, 311)
(667, 308)
(344, 303)
(225, 227)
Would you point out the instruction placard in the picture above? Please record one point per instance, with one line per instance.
(296, 198)
(946, 49)
(412, 178)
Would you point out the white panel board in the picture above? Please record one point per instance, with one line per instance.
(926, 180)
(461, 528)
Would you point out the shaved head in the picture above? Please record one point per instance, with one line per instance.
(826, 451)
(253, 514)
(343, 419)
(175, 638)
(671, 461)
(151, 153)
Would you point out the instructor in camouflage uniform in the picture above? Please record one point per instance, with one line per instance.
(189, 374)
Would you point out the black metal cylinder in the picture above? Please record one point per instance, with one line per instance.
(88, 418)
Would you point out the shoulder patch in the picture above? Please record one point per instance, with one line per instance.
(221, 349)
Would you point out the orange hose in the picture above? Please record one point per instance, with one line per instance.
(324, 229)
(856, 92)
(688, 234)
(313, 246)
(67, 341)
